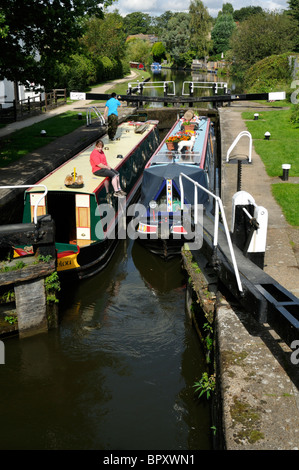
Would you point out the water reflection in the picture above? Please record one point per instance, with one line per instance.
(117, 374)
(181, 76)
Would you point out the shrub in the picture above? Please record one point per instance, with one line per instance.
(268, 74)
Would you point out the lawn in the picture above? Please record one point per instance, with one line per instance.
(23, 141)
(287, 196)
(283, 144)
(281, 148)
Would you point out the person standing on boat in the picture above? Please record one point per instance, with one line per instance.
(100, 167)
(111, 111)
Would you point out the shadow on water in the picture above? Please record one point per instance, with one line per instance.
(117, 373)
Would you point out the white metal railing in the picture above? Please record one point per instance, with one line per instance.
(97, 112)
(242, 134)
(31, 186)
(142, 85)
(193, 85)
(218, 206)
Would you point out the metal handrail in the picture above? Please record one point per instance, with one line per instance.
(204, 85)
(242, 134)
(98, 113)
(153, 85)
(218, 206)
(30, 186)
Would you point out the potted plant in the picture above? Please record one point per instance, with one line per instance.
(188, 125)
(173, 140)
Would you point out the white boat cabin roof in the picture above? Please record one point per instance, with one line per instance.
(126, 141)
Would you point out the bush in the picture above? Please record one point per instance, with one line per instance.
(78, 74)
(83, 73)
(295, 114)
(108, 69)
(268, 74)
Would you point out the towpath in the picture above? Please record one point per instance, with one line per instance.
(80, 105)
(282, 250)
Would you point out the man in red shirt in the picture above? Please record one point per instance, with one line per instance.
(100, 167)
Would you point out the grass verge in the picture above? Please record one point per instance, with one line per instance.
(19, 143)
(281, 148)
(287, 196)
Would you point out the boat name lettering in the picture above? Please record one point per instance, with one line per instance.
(65, 263)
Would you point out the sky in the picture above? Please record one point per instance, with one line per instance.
(158, 7)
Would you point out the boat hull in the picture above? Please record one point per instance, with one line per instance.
(89, 223)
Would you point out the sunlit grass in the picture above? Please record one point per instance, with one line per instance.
(23, 141)
(283, 144)
(287, 196)
(280, 149)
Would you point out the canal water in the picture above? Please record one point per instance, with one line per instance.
(178, 84)
(118, 373)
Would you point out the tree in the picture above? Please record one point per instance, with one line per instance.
(227, 9)
(137, 23)
(158, 51)
(260, 36)
(41, 33)
(294, 8)
(222, 32)
(105, 37)
(294, 14)
(245, 13)
(177, 37)
(200, 26)
(3, 27)
(139, 50)
(160, 23)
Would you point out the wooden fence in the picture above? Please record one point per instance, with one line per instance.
(31, 106)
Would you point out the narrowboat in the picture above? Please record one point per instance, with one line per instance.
(166, 222)
(156, 67)
(88, 222)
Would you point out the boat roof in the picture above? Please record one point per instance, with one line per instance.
(163, 156)
(154, 179)
(126, 141)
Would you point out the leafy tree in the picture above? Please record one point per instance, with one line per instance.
(245, 13)
(139, 50)
(294, 8)
(41, 33)
(200, 26)
(294, 14)
(158, 51)
(227, 9)
(177, 37)
(3, 27)
(260, 36)
(160, 23)
(222, 32)
(105, 37)
(137, 23)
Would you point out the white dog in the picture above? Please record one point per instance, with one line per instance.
(186, 143)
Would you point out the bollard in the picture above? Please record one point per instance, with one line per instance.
(79, 116)
(267, 135)
(256, 116)
(43, 133)
(285, 171)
